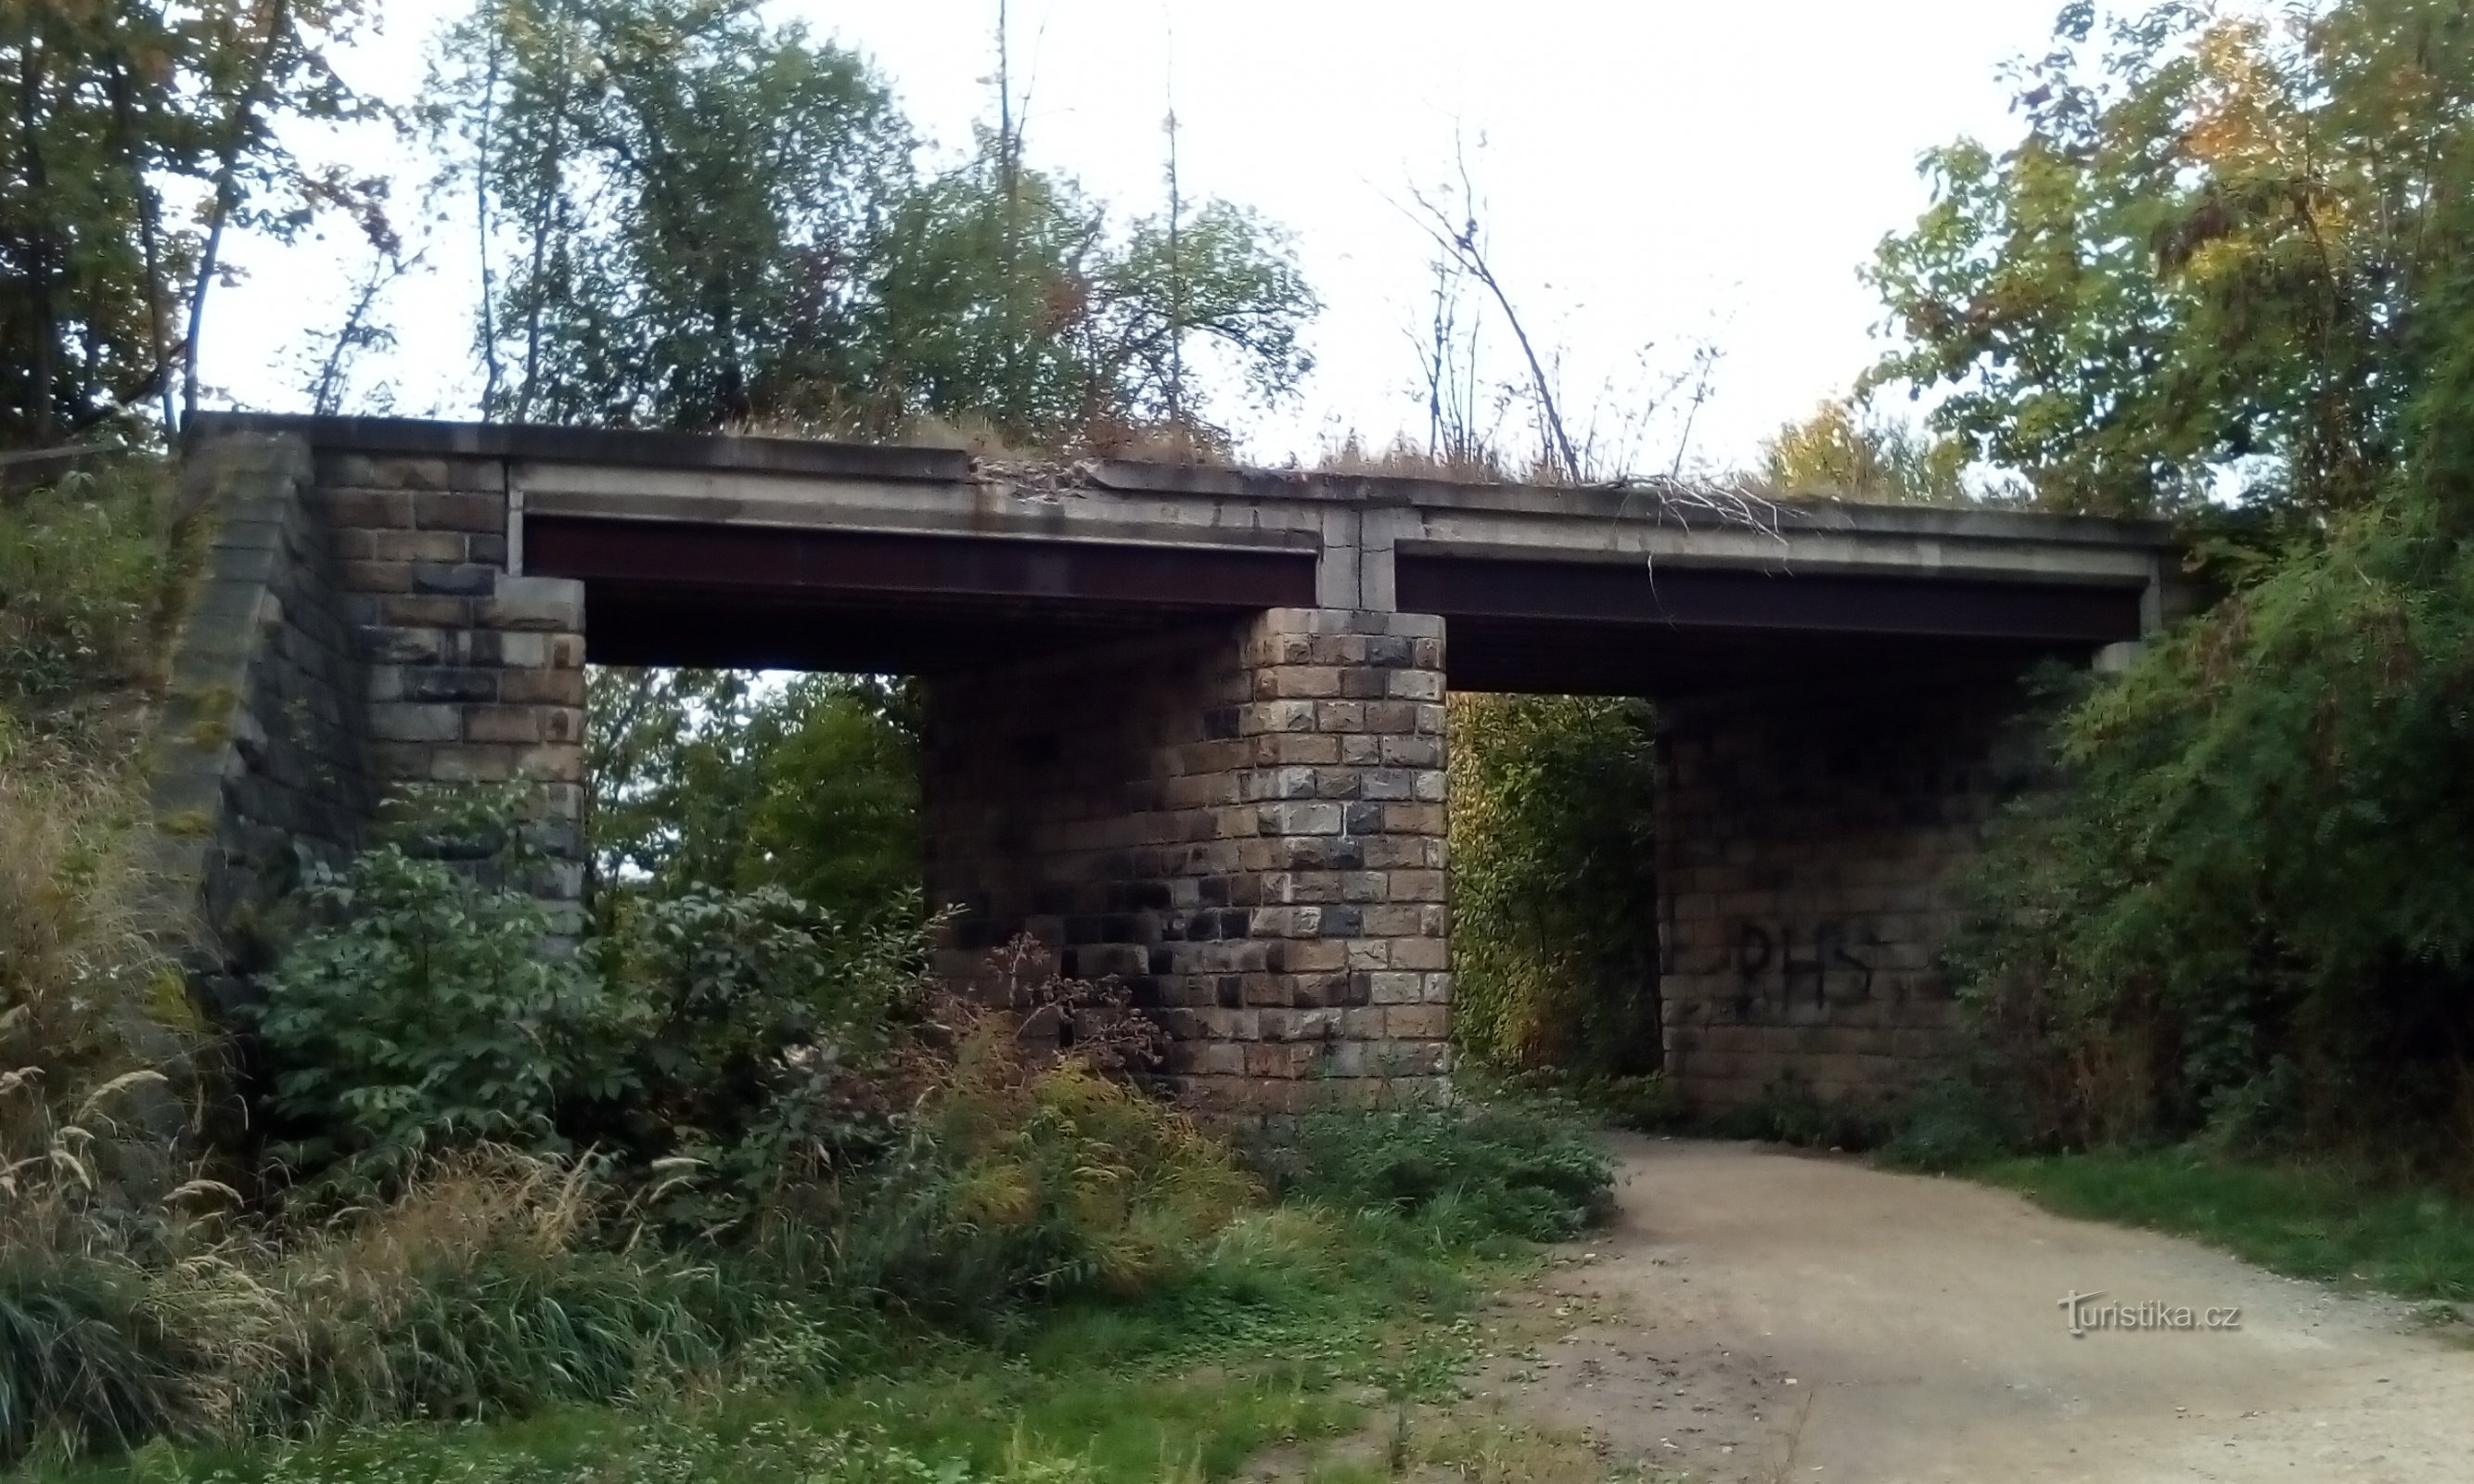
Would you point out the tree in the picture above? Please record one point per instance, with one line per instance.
(678, 202)
(114, 105)
(711, 778)
(1554, 889)
(1843, 451)
(692, 218)
(2235, 262)
(2206, 266)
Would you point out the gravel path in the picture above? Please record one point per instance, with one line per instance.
(1758, 1315)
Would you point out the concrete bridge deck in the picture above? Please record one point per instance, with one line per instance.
(766, 551)
(1186, 722)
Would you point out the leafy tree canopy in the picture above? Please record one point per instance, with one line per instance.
(132, 137)
(2207, 265)
(718, 778)
(1843, 451)
(696, 218)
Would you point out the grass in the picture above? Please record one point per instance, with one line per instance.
(1300, 1328)
(2321, 1221)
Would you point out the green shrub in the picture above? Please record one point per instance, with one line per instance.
(2252, 901)
(1644, 1104)
(428, 1009)
(1029, 1174)
(1554, 889)
(1951, 1123)
(1505, 1167)
(765, 1030)
(1791, 1111)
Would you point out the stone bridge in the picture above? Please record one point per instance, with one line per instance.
(1185, 723)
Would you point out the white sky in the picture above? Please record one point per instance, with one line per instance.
(1659, 173)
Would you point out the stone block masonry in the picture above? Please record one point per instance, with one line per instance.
(1807, 842)
(357, 629)
(473, 675)
(1243, 823)
(260, 751)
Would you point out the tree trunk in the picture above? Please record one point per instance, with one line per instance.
(277, 15)
(42, 360)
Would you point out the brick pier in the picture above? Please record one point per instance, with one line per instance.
(1243, 823)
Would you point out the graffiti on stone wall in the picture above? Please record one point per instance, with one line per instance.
(1782, 965)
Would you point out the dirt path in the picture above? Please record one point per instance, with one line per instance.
(1907, 1331)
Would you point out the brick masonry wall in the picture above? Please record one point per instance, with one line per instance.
(1807, 841)
(1244, 823)
(261, 745)
(474, 676)
(355, 630)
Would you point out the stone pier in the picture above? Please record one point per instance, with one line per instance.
(1242, 822)
(1809, 846)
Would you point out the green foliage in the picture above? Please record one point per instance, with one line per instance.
(98, 1042)
(762, 1033)
(2330, 1223)
(2259, 864)
(425, 1009)
(1789, 1111)
(644, 274)
(1645, 1103)
(2211, 260)
(681, 200)
(2227, 259)
(1289, 1319)
(2252, 903)
(136, 134)
(1009, 304)
(83, 1365)
(1844, 451)
(715, 777)
(664, 1450)
(1951, 1123)
(1554, 883)
(1507, 1167)
(85, 570)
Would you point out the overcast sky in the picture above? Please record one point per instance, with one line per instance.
(1656, 174)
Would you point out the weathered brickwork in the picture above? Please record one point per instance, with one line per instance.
(473, 675)
(1806, 844)
(261, 749)
(355, 630)
(1244, 823)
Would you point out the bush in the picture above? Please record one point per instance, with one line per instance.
(1031, 1173)
(2256, 883)
(765, 1031)
(1951, 1123)
(1791, 1111)
(1554, 889)
(428, 1009)
(1501, 1168)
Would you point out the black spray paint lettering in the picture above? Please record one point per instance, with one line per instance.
(1814, 960)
